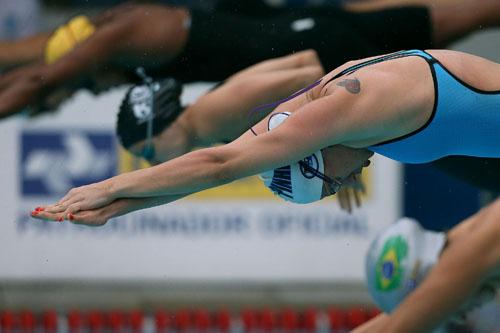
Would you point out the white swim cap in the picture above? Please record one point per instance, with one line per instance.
(399, 259)
(292, 182)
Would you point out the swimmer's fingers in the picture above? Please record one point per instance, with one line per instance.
(358, 184)
(345, 200)
(341, 199)
(348, 200)
(86, 197)
(356, 188)
(361, 186)
(73, 208)
(72, 197)
(357, 197)
(60, 206)
(47, 216)
(91, 218)
(55, 208)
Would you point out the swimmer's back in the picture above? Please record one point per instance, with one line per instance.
(478, 72)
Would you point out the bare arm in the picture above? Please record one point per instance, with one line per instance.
(31, 49)
(25, 86)
(224, 114)
(306, 131)
(246, 156)
(449, 284)
(216, 166)
(137, 36)
(25, 50)
(373, 325)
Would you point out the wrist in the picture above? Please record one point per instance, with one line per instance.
(109, 211)
(115, 188)
(116, 208)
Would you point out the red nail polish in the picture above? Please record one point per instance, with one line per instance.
(71, 217)
(60, 219)
(34, 213)
(41, 209)
(37, 209)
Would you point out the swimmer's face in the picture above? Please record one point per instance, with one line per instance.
(344, 164)
(149, 152)
(171, 143)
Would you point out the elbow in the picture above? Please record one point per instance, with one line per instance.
(221, 164)
(225, 174)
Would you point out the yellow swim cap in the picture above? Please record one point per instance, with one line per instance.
(67, 36)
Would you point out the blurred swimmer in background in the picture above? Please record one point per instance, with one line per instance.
(421, 279)
(361, 108)
(192, 45)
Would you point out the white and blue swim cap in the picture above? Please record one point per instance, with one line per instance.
(293, 182)
(399, 259)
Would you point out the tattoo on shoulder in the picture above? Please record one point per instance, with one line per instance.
(351, 85)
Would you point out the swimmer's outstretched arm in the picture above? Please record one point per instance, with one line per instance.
(300, 136)
(31, 48)
(325, 117)
(462, 269)
(131, 36)
(225, 113)
(26, 85)
(100, 216)
(22, 51)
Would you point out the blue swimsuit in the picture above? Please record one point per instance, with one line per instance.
(465, 120)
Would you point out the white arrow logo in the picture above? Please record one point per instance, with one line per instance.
(57, 169)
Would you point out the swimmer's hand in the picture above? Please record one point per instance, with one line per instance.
(100, 216)
(86, 197)
(94, 218)
(349, 195)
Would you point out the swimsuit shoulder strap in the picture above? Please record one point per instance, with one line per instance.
(401, 54)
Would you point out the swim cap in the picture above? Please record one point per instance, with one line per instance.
(399, 259)
(136, 109)
(293, 182)
(67, 36)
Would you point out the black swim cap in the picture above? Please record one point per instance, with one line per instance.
(135, 110)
